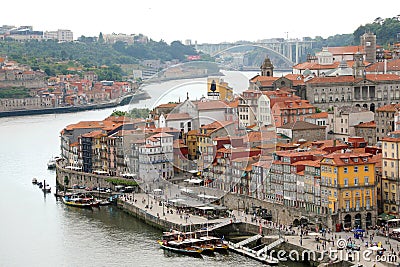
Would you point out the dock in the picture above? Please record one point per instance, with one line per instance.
(250, 253)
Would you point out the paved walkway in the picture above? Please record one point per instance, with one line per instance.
(151, 205)
(364, 257)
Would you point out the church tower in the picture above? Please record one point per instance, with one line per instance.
(358, 66)
(267, 69)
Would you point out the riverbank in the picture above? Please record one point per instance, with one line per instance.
(135, 97)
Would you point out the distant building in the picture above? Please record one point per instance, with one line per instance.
(301, 130)
(120, 37)
(342, 121)
(59, 35)
(367, 130)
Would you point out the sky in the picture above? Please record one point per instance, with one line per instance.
(206, 21)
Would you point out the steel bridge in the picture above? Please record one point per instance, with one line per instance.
(289, 50)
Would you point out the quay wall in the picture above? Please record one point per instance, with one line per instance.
(148, 218)
(85, 179)
(280, 213)
(58, 110)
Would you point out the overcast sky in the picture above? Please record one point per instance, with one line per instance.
(207, 21)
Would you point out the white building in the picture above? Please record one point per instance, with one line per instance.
(60, 35)
(343, 119)
(156, 158)
(263, 116)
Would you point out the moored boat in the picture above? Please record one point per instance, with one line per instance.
(219, 244)
(46, 188)
(183, 247)
(51, 164)
(77, 201)
(34, 180)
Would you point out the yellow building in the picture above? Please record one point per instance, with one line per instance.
(348, 186)
(191, 142)
(390, 173)
(218, 89)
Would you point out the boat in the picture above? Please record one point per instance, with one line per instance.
(77, 201)
(182, 247)
(207, 244)
(104, 202)
(51, 164)
(46, 188)
(34, 181)
(219, 244)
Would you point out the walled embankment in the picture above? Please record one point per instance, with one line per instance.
(58, 110)
(84, 179)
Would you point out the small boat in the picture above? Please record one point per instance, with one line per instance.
(51, 164)
(46, 188)
(183, 247)
(40, 184)
(77, 201)
(34, 181)
(219, 244)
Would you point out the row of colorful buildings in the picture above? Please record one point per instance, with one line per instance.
(270, 143)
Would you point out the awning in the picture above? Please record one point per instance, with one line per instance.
(386, 217)
(205, 208)
(394, 220)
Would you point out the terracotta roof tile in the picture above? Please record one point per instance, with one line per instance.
(370, 124)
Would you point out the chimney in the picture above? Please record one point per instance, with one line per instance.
(385, 66)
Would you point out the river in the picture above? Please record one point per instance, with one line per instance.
(38, 230)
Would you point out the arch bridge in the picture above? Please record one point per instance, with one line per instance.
(289, 50)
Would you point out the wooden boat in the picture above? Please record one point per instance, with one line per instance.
(77, 201)
(182, 247)
(34, 181)
(219, 244)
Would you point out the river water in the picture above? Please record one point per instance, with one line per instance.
(38, 230)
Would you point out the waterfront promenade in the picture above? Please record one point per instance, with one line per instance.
(150, 204)
(365, 257)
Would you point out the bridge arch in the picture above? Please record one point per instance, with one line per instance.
(286, 59)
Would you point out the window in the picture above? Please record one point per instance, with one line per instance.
(366, 180)
(366, 168)
(345, 170)
(355, 181)
(346, 182)
(355, 168)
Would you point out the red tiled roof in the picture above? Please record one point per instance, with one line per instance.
(92, 134)
(209, 105)
(178, 116)
(319, 115)
(343, 50)
(389, 108)
(338, 159)
(370, 124)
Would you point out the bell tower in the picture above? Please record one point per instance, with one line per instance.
(267, 69)
(358, 66)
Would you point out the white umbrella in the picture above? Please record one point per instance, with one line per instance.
(375, 248)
